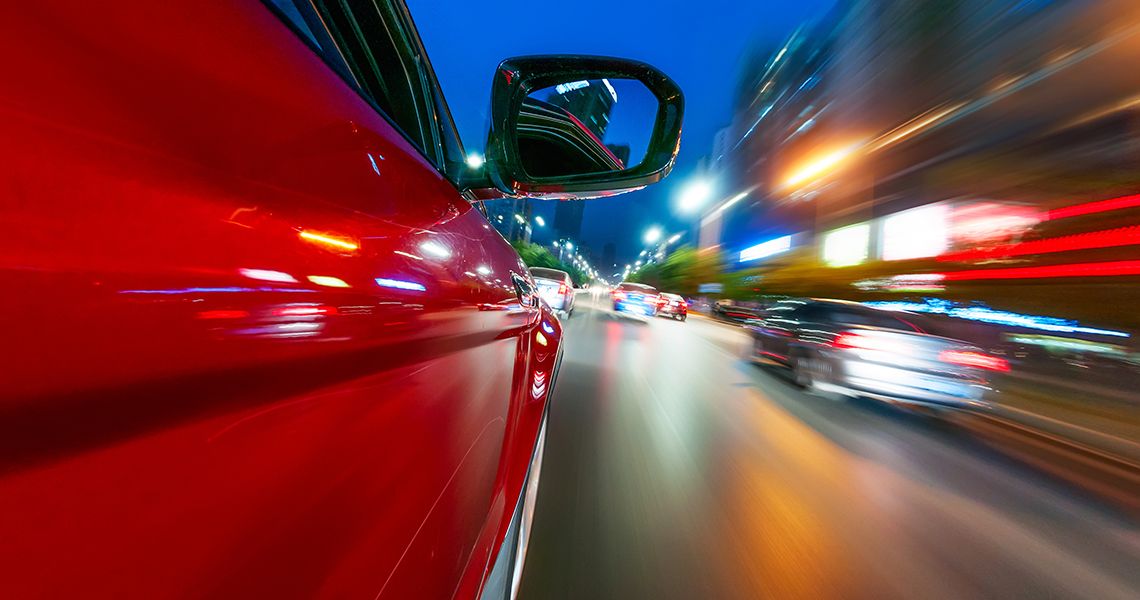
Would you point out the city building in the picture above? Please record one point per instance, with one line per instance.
(568, 219)
(589, 101)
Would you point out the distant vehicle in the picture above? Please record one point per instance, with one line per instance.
(730, 311)
(673, 306)
(635, 299)
(556, 288)
(836, 347)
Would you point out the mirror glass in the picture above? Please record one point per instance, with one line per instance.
(586, 126)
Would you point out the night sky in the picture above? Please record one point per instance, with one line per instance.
(697, 43)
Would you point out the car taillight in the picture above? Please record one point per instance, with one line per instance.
(968, 358)
(853, 340)
(562, 289)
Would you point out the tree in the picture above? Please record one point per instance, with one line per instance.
(683, 271)
(534, 255)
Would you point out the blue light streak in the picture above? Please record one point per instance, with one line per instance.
(998, 317)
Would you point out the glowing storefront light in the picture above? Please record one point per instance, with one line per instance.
(847, 246)
(766, 249)
(916, 233)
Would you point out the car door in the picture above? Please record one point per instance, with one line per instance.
(261, 346)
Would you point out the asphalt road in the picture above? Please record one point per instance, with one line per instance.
(676, 469)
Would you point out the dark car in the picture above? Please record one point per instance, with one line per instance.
(729, 310)
(846, 348)
(556, 288)
(263, 341)
(672, 306)
(635, 299)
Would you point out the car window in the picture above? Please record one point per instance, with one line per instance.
(374, 45)
(865, 317)
(548, 273)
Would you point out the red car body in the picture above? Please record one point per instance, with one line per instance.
(257, 345)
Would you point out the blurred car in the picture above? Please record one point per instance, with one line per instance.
(672, 306)
(846, 348)
(635, 299)
(556, 288)
(729, 310)
(268, 344)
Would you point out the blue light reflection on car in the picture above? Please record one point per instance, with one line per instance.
(400, 284)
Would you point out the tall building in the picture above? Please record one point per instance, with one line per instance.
(568, 219)
(589, 101)
(511, 217)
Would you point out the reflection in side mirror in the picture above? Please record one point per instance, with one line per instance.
(565, 126)
(585, 126)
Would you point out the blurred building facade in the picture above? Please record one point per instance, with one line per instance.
(894, 134)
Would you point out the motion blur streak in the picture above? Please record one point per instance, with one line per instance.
(1095, 207)
(1124, 236)
(1106, 269)
(328, 240)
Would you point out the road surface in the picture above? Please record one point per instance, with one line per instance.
(675, 469)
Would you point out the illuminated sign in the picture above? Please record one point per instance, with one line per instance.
(847, 246)
(766, 249)
(562, 88)
(916, 233)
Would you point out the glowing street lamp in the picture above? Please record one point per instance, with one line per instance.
(652, 235)
(673, 240)
(541, 221)
(695, 194)
(474, 160)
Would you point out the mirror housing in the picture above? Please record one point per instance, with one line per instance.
(517, 77)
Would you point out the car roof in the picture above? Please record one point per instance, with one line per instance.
(637, 286)
(546, 273)
(668, 295)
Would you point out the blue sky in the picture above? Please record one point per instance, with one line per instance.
(698, 43)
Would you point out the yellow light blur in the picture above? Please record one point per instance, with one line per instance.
(328, 281)
(327, 240)
(819, 166)
(541, 339)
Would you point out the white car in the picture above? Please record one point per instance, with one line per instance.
(556, 288)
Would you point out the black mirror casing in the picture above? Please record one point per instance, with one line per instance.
(517, 77)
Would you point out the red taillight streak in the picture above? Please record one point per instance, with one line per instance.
(223, 314)
(1090, 208)
(966, 358)
(1103, 269)
(851, 340)
(562, 289)
(1110, 238)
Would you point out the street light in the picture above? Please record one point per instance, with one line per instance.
(474, 160)
(695, 194)
(673, 240)
(569, 246)
(541, 221)
(652, 235)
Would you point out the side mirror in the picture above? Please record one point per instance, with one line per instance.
(581, 126)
